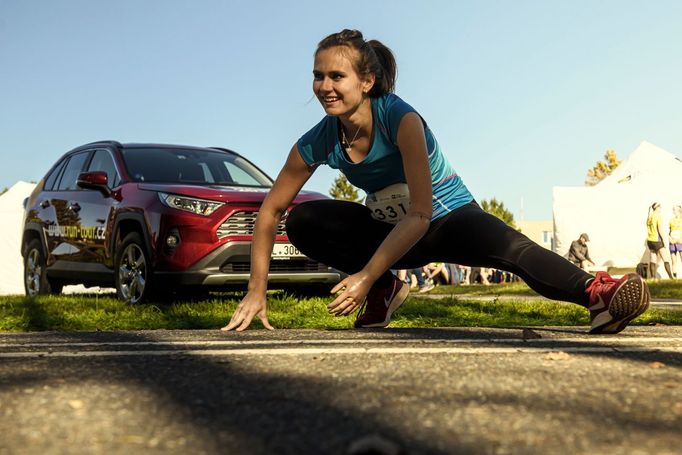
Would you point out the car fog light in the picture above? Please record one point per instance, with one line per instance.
(172, 241)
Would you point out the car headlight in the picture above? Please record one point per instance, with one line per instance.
(190, 204)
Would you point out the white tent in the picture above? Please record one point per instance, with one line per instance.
(11, 224)
(11, 214)
(613, 213)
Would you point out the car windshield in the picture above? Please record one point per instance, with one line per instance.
(192, 167)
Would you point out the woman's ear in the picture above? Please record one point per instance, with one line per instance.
(368, 83)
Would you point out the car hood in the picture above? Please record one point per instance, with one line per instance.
(226, 194)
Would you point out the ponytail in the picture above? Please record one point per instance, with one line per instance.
(373, 57)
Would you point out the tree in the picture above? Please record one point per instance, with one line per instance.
(342, 189)
(602, 169)
(497, 208)
(4, 191)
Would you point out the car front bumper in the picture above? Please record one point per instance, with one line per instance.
(230, 265)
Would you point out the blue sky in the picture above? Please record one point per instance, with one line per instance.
(522, 95)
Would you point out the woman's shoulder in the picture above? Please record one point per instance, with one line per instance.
(315, 145)
(390, 109)
(323, 131)
(391, 101)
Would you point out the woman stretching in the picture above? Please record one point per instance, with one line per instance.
(418, 210)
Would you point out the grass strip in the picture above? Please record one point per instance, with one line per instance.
(660, 289)
(96, 312)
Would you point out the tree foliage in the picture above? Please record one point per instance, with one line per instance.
(497, 208)
(4, 191)
(603, 168)
(342, 189)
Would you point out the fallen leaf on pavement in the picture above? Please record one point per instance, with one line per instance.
(76, 404)
(557, 355)
(656, 365)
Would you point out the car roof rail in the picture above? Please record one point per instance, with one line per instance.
(106, 142)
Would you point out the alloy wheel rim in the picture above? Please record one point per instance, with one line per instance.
(33, 272)
(132, 274)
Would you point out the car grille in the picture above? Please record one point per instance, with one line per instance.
(241, 223)
(277, 266)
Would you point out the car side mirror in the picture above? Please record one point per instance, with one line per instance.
(95, 180)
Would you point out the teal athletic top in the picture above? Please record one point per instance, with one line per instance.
(383, 164)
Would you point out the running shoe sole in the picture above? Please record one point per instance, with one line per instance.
(629, 301)
(398, 300)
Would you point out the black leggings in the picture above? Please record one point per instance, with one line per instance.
(344, 235)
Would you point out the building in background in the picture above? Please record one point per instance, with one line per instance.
(540, 232)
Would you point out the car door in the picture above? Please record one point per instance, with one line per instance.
(97, 209)
(64, 237)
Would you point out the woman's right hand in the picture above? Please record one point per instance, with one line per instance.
(288, 183)
(253, 304)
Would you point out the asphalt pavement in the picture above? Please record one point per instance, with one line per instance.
(410, 391)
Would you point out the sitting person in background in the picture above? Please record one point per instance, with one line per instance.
(479, 275)
(420, 279)
(578, 254)
(465, 274)
(454, 272)
(437, 272)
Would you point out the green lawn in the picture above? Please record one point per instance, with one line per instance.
(99, 312)
(661, 289)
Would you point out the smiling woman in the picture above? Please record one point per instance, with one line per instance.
(383, 146)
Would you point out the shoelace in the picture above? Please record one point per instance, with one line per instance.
(601, 278)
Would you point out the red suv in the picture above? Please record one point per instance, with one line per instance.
(149, 218)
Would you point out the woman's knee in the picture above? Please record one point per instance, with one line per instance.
(312, 219)
(300, 217)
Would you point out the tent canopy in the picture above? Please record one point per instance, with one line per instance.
(614, 211)
(11, 214)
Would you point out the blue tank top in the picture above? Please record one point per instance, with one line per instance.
(383, 164)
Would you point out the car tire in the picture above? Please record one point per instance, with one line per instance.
(35, 272)
(132, 269)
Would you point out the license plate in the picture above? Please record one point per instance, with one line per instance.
(285, 251)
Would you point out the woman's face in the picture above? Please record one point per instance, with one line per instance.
(336, 83)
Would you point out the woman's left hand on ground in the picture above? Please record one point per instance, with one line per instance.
(354, 289)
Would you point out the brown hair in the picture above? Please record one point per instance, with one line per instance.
(374, 57)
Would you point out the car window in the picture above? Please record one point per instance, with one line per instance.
(73, 168)
(239, 174)
(191, 166)
(52, 177)
(103, 161)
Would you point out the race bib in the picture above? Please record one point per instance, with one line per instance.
(389, 204)
(676, 236)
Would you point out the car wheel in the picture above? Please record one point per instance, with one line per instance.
(132, 270)
(35, 272)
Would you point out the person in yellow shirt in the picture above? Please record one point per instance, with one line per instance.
(654, 241)
(675, 234)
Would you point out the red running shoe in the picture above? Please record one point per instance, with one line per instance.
(381, 303)
(614, 303)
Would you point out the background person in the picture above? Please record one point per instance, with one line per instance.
(654, 241)
(419, 209)
(579, 253)
(675, 239)
(437, 272)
